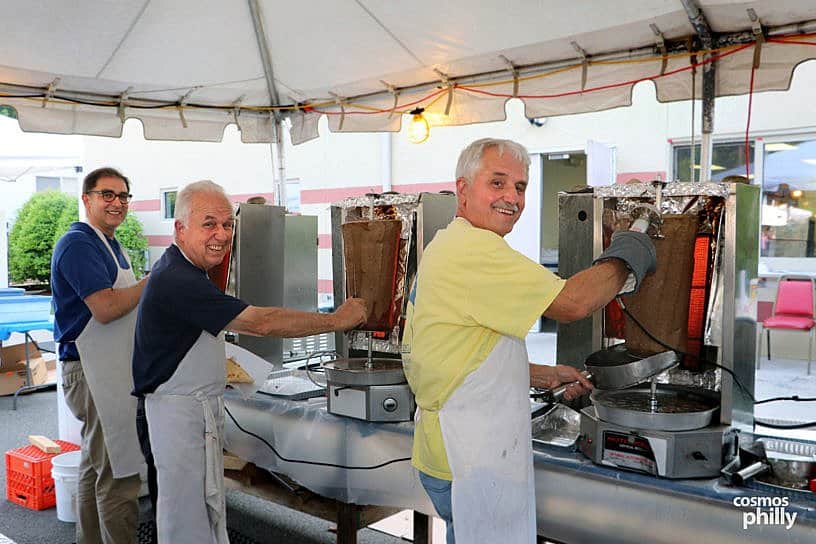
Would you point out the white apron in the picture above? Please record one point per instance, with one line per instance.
(486, 428)
(106, 354)
(185, 418)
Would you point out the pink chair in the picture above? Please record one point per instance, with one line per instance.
(793, 310)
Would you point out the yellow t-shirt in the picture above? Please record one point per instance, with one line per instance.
(471, 289)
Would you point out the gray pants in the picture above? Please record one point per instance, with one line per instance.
(107, 507)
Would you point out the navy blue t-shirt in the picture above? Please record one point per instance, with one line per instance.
(81, 265)
(178, 303)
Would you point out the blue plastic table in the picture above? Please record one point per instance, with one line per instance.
(11, 291)
(24, 314)
(24, 327)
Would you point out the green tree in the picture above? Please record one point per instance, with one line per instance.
(43, 220)
(70, 214)
(131, 236)
(32, 237)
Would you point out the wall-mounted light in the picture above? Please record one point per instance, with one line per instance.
(418, 129)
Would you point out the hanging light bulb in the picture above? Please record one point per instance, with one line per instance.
(419, 129)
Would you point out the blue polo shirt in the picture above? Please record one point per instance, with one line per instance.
(178, 303)
(81, 265)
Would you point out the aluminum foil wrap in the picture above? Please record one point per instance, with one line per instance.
(384, 207)
(708, 379)
(359, 340)
(396, 206)
(673, 189)
(558, 427)
(708, 208)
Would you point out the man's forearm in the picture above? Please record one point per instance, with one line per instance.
(110, 304)
(281, 322)
(587, 291)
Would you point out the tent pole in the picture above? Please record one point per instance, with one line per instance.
(703, 29)
(280, 182)
(706, 144)
(274, 98)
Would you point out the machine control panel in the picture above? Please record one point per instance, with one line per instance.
(633, 452)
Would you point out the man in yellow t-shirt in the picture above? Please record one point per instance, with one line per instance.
(474, 300)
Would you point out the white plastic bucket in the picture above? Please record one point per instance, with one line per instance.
(65, 471)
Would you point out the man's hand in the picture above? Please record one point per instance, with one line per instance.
(549, 377)
(351, 313)
(636, 250)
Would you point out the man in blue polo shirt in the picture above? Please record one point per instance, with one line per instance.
(94, 295)
(179, 363)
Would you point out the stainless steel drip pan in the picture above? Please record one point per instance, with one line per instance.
(678, 409)
(361, 372)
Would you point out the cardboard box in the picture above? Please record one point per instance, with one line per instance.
(13, 370)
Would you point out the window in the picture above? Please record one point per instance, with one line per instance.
(293, 195)
(788, 199)
(56, 183)
(727, 159)
(70, 185)
(47, 183)
(168, 203)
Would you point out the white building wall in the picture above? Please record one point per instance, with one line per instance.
(31, 155)
(338, 165)
(24, 156)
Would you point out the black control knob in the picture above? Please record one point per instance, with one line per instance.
(390, 404)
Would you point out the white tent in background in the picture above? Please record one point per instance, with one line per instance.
(187, 68)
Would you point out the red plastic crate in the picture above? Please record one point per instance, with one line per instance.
(28, 476)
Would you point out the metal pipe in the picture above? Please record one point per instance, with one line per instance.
(703, 29)
(263, 49)
(280, 193)
(385, 161)
(274, 98)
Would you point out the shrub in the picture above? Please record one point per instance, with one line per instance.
(43, 220)
(32, 237)
(131, 236)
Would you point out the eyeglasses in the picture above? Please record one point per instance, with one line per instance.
(108, 196)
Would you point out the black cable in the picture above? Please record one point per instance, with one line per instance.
(102, 104)
(795, 398)
(683, 353)
(317, 463)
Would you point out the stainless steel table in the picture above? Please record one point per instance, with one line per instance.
(577, 501)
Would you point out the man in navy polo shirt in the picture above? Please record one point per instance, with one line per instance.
(179, 363)
(94, 295)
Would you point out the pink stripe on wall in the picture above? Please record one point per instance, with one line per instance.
(152, 205)
(623, 177)
(321, 196)
(426, 187)
(159, 240)
(325, 287)
(317, 196)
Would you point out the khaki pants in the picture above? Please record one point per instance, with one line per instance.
(107, 507)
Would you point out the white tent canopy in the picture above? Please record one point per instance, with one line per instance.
(187, 68)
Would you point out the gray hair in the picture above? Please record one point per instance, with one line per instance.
(471, 157)
(185, 197)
